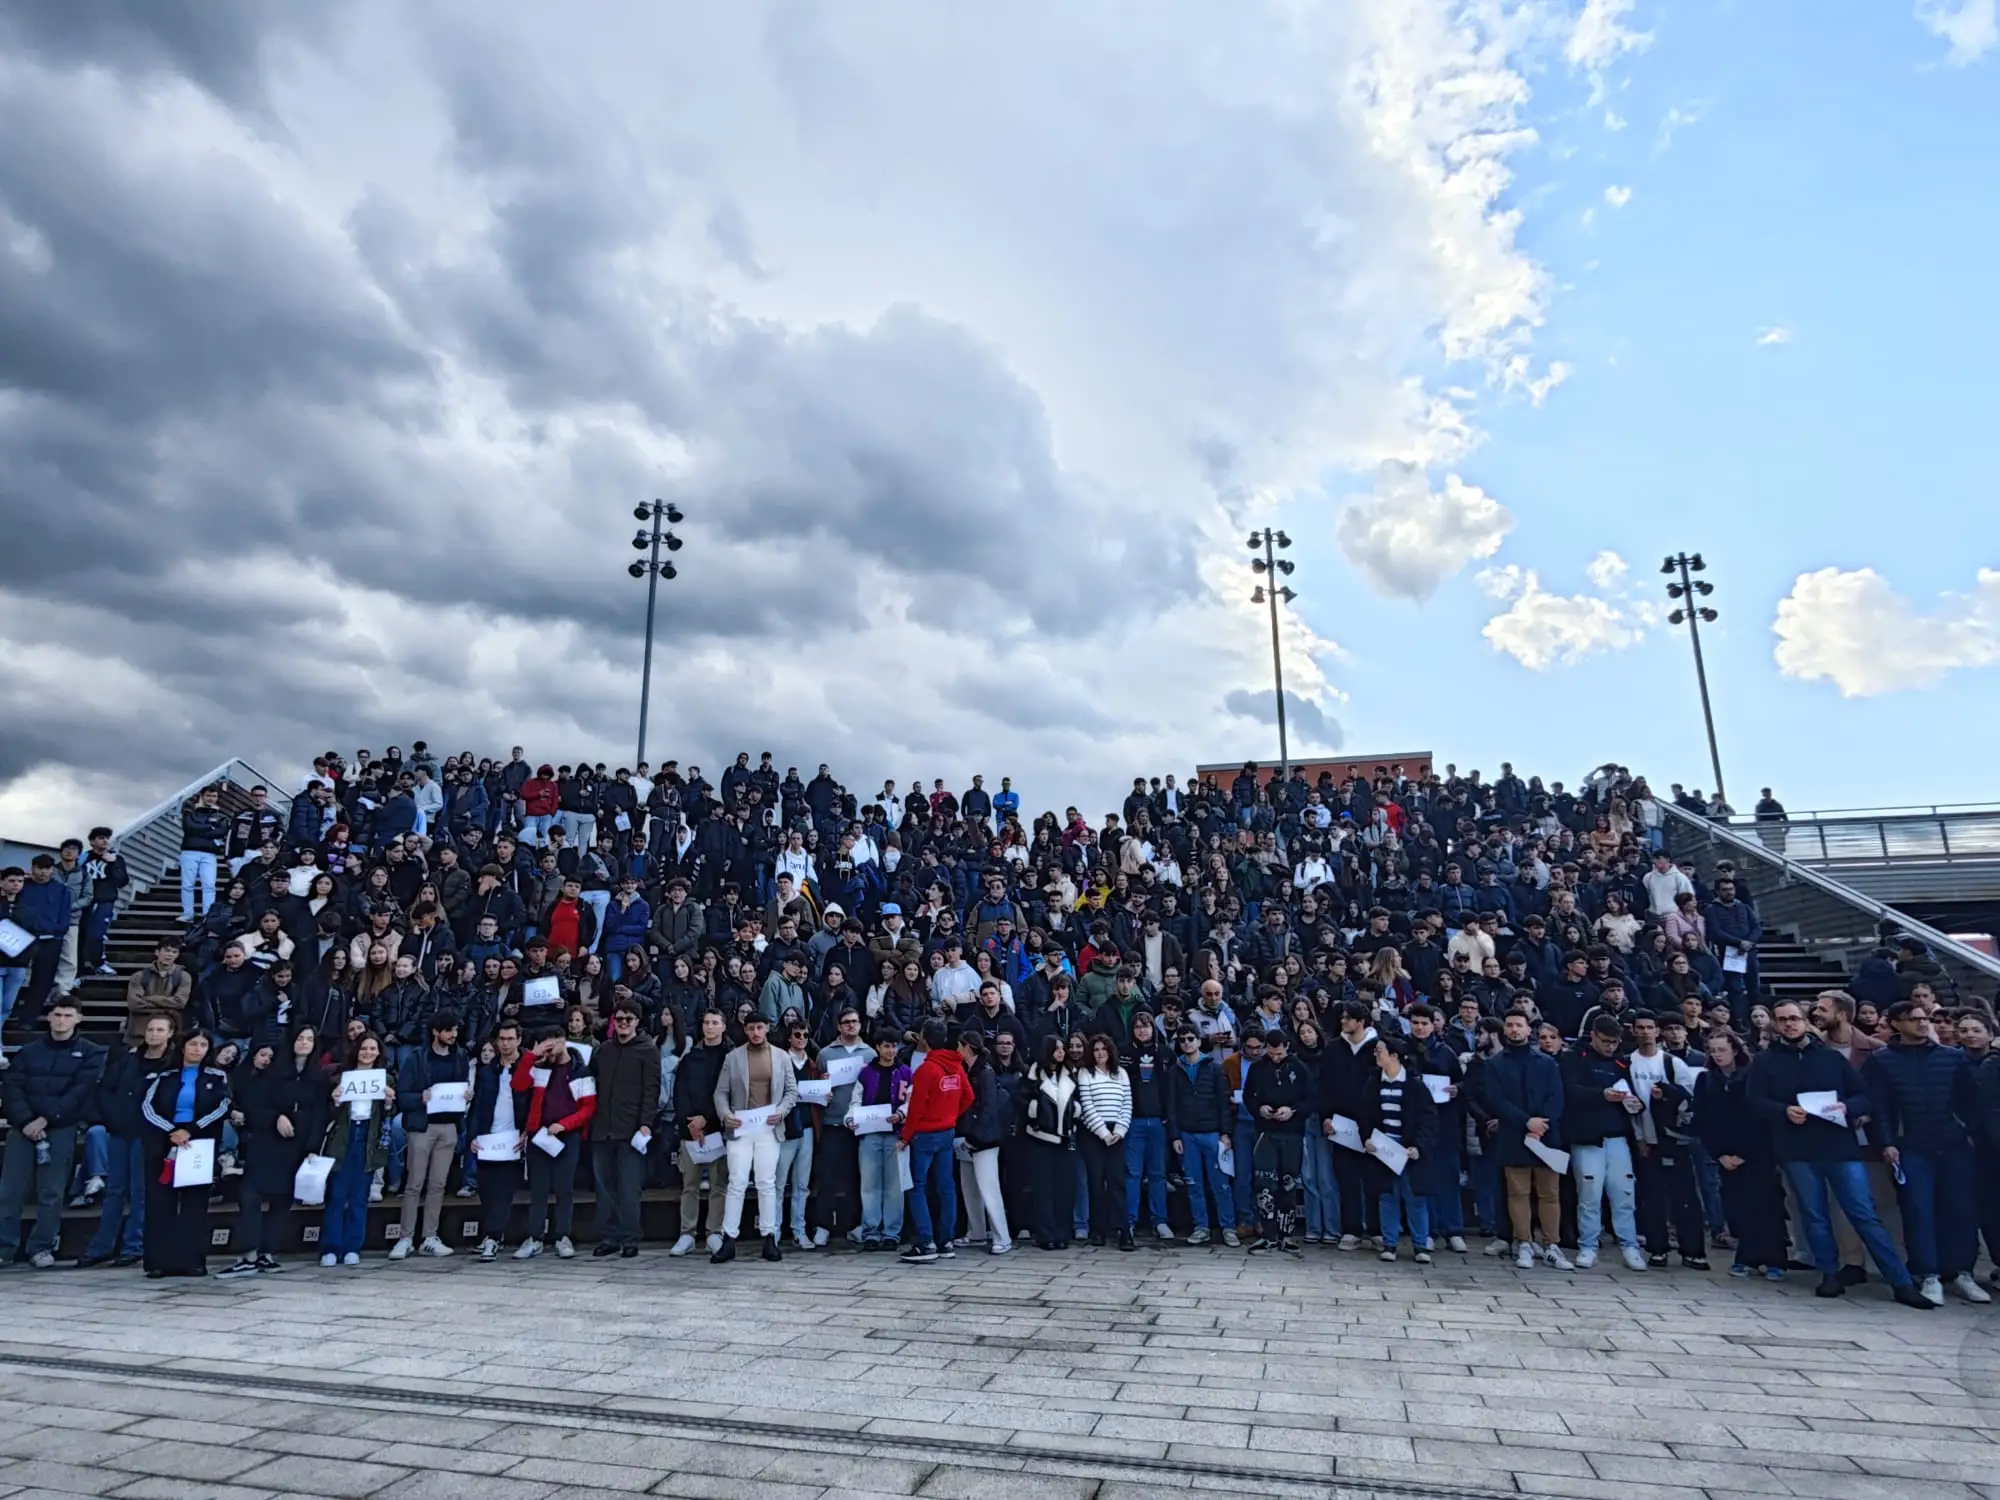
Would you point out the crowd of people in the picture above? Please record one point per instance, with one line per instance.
(1387, 1015)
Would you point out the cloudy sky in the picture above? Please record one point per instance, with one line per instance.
(337, 343)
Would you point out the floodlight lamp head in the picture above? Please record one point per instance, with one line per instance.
(1707, 614)
(637, 570)
(1677, 617)
(642, 512)
(1257, 596)
(674, 515)
(1668, 566)
(1257, 565)
(674, 543)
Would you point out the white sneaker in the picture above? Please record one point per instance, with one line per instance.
(564, 1249)
(435, 1247)
(804, 1242)
(682, 1245)
(1455, 1242)
(1586, 1258)
(225, 1165)
(1388, 1255)
(530, 1248)
(1349, 1242)
(714, 1243)
(1969, 1289)
(1232, 1239)
(1635, 1258)
(1496, 1247)
(402, 1248)
(489, 1251)
(92, 1187)
(820, 1237)
(1933, 1291)
(1000, 1247)
(1199, 1235)
(1165, 1232)
(375, 1189)
(329, 1260)
(1557, 1260)
(43, 1260)
(1525, 1256)
(350, 1259)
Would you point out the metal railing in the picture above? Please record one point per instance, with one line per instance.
(1961, 833)
(1828, 915)
(151, 842)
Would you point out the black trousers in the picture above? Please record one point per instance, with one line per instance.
(260, 1221)
(1278, 1184)
(836, 1199)
(1753, 1201)
(552, 1176)
(1053, 1172)
(1360, 1213)
(1105, 1168)
(499, 1182)
(1666, 1186)
(176, 1225)
(619, 1171)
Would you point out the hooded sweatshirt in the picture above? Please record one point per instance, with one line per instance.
(939, 1094)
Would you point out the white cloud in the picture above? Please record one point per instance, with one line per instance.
(1677, 118)
(1617, 196)
(1599, 38)
(1776, 334)
(1851, 628)
(1540, 629)
(1409, 538)
(1518, 375)
(1969, 28)
(1613, 120)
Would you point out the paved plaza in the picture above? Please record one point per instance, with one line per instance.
(1087, 1376)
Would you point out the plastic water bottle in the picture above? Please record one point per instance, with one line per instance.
(41, 1153)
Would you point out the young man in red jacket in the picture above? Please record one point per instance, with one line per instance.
(562, 1097)
(939, 1095)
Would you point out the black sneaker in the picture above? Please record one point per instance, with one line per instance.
(1125, 1240)
(1909, 1296)
(1656, 1261)
(1260, 1246)
(1695, 1262)
(1097, 1239)
(918, 1255)
(268, 1263)
(771, 1250)
(1830, 1286)
(1853, 1276)
(630, 1252)
(946, 1250)
(724, 1252)
(604, 1251)
(246, 1266)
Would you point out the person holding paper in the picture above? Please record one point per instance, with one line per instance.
(128, 1077)
(700, 1070)
(283, 1105)
(1753, 1201)
(496, 1115)
(1821, 1157)
(186, 1103)
(357, 1138)
(1431, 1057)
(1347, 1084)
(1662, 1162)
(562, 1098)
(884, 1083)
(1403, 1112)
(1599, 1107)
(1279, 1092)
(755, 1076)
(434, 1085)
(1521, 1087)
(838, 1154)
(626, 1067)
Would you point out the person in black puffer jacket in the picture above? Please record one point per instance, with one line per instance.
(121, 1229)
(1278, 1093)
(47, 1092)
(982, 1131)
(1926, 1107)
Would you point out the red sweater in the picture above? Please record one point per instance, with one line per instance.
(939, 1094)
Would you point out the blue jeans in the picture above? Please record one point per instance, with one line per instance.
(1080, 1196)
(1403, 1197)
(1146, 1162)
(1601, 1169)
(1486, 1190)
(931, 1173)
(196, 867)
(881, 1188)
(23, 1176)
(124, 1202)
(795, 1170)
(1447, 1203)
(1939, 1199)
(1708, 1185)
(399, 1146)
(344, 1224)
(535, 828)
(1245, 1145)
(1207, 1187)
(1847, 1181)
(12, 981)
(1322, 1191)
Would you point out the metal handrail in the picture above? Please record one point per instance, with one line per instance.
(156, 832)
(174, 803)
(1941, 945)
(1908, 810)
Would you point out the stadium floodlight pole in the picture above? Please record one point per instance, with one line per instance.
(1688, 590)
(1270, 565)
(659, 514)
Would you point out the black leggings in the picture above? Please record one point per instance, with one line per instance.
(1053, 1171)
(499, 1181)
(1105, 1167)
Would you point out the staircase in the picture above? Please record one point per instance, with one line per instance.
(151, 916)
(1788, 969)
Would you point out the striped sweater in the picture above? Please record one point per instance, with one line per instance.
(1105, 1102)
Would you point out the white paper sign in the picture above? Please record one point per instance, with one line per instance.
(538, 1078)
(756, 1121)
(641, 1142)
(363, 1085)
(309, 1184)
(1225, 1156)
(621, 823)
(815, 1090)
(501, 1145)
(1556, 1161)
(14, 939)
(194, 1163)
(1347, 1133)
(302, 880)
(871, 1119)
(545, 989)
(842, 1071)
(549, 1143)
(903, 1168)
(449, 1099)
(1237, 1098)
(583, 1088)
(1389, 1151)
(1825, 1105)
(1735, 961)
(1440, 1086)
(709, 1148)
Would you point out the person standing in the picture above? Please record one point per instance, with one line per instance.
(107, 876)
(204, 839)
(498, 1110)
(562, 1097)
(186, 1103)
(627, 1070)
(283, 1108)
(46, 1094)
(1279, 1093)
(1199, 1106)
(838, 1192)
(1818, 1155)
(1050, 1122)
(121, 1229)
(982, 1130)
(1346, 1088)
(1740, 1143)
(431, 1121)
(1431, 1056)
(44, 909)
(357, 1139)
(695, 1081)
(1152, 1126)
(1404, 1112)
(1662, 1162)
(1521, 1087)
(1599, 1107)
(1926, 1106)
(1105, 1103)
(755, 1076)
